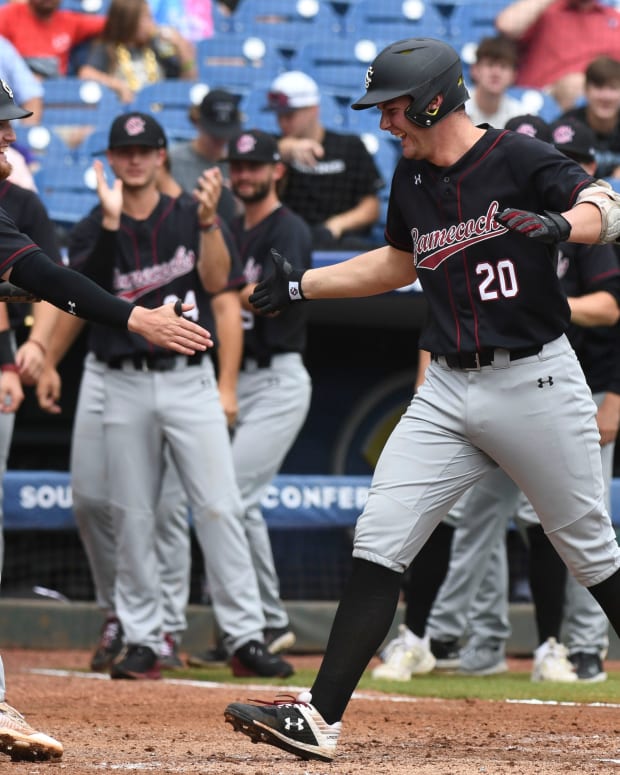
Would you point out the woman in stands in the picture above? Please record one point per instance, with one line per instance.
(133, 52)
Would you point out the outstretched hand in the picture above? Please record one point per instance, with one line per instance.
(550, 227)
(162, 326)
(279, 289)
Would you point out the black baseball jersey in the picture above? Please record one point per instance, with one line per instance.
(14, 244)
(30, 216)
(289, 234)
(586, 269)
(485, 286)
(337, 183)
(155, 263)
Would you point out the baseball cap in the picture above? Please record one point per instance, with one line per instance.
(253, 145)
(292, 90)
(574, 138)
(530, 125)
(8, 109)
(218, 114)
(136, 129)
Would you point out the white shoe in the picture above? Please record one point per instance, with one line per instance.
(551, 663)
(405, 656)
(23, 743)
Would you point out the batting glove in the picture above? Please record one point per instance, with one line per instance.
(279, 289)
(550, 227)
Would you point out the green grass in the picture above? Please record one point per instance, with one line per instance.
(515, 686)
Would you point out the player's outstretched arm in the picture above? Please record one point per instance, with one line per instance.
(76, 294)
(367, 274)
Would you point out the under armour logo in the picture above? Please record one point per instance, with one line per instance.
(417, 179)
(297, 723)
(71, 305)
(543, 382)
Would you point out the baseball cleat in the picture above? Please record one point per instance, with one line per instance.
(10, 292)
(23, 743)
(483, 658)
(139, 663)
(278, 639)
(551, 663)
(405, 656)
(253, 658)
(110, 645)
(292, 724)
(589, 667)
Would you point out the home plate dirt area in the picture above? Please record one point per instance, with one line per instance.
(176, 726)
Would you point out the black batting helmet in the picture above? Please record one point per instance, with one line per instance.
(8, 109)
(420, 68)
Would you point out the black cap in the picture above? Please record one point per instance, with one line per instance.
(574, 139)
(254, 145)
(8, 109)
(218, 114)
(136, 129)
(530, 125)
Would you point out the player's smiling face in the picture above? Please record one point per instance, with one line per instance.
(136, 165)
(251, 181)
(7, 136)
(415, 141)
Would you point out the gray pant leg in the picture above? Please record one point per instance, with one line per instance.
(586, 628)
(173, 549)
(89, 484)
(273, 404)
(478, 548)
(7, 423)
(488, 615)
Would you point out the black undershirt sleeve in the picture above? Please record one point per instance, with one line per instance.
(69, 290)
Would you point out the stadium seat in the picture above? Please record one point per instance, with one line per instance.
(389, 19)
(75, 102)
(67, 191)
(536, 101)
(40, 143)
(169, 101)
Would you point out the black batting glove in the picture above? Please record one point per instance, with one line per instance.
(279, 289)
(550, 227)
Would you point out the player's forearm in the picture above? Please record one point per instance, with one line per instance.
(363, 215)
(594, 309)
(368, 274)
(585, 221)
(517, 18)
(44, 319)
(214, 260)
(64, 335)
(227, 314)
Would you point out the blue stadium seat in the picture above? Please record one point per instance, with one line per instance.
(67, 191)
(41, 142)
(389, 19)
(537, 102)
(254, 115)
(75, 102)
(169, 101)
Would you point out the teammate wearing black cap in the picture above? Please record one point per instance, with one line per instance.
(145, 245)
(504, 386)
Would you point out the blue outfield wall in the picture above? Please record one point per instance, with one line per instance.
(42, 500)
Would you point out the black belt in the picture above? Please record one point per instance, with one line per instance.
(153, 361)
(257, 362)
(485, 357)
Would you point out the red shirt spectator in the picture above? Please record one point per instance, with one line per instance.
(44, 35)
(558, 39)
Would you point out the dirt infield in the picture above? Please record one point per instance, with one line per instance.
(167, 727)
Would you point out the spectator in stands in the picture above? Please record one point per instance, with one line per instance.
(493, 73)
(192, 18)
(332, 180)
(45, 35)
(558, 38)
(601, 112)
(216, 119)
(27, 89)
(133, 52)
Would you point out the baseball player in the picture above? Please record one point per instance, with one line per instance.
(29, 268)
(161, 248)
(504, 387)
